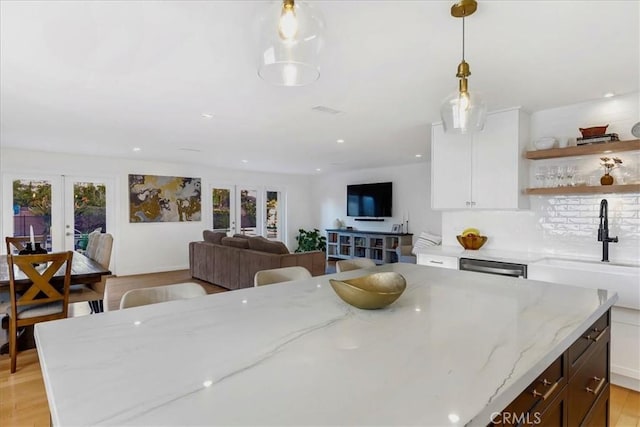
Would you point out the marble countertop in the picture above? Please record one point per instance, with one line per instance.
(518, 257)
(486, 254)
(455, 347)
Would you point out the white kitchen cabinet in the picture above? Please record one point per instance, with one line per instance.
(484, 170)
(625, 347)
(440, 261)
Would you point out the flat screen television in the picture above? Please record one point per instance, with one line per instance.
(369, 200)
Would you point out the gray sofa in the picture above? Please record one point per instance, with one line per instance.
(231, 262)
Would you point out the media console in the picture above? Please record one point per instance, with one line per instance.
(379, 246)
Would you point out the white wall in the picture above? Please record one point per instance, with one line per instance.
(567, 224)
(150, 247)
(411, 196)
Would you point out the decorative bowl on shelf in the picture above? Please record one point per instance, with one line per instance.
(593, 131)
(471, 241)
(545, 143)
(370, 292)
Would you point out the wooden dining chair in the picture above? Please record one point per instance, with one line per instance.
(278, 275)
(18, 243)
(41, 300)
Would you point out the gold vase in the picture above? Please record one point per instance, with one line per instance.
(606, 179)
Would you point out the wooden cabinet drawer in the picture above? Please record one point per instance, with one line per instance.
(598, 416)
(555, 415)
(581, 349)
(589, 382)
(437, 261)
(538, 395)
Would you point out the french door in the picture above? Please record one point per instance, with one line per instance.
(64, 208)
(86, 209)
(252, 211)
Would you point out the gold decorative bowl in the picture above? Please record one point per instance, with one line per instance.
(472, 242)
(370, 292)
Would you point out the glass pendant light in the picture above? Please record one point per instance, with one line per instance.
(463, 112)
(291, 37)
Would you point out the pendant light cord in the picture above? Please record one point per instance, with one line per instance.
(463, 38)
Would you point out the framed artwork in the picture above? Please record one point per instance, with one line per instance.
(155, 198)
(397, 228)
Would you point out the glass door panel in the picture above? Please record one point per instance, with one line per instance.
(32, 208)
(85, 210)
(33, 201)
(273, 215)
(248, 212)
(223, 204)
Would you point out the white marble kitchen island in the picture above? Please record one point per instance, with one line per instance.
(454, 348)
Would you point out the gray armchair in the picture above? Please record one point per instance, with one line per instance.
(405, 255)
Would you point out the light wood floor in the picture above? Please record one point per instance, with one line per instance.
(23, 400)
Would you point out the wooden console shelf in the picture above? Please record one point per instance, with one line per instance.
(584, 150)
(375, 245)
(584, 189)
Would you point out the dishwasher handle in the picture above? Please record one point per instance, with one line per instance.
(504, 269)
(494, 270)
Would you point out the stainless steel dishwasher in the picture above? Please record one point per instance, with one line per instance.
(494, 267)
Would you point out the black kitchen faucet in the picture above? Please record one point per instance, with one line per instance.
(603, 230)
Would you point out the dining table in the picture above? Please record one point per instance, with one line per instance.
(84, 270)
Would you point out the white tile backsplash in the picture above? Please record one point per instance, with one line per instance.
(557, 225)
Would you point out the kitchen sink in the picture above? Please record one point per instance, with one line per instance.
(592, 265)
(623, 278)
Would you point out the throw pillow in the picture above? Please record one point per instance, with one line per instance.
(236, 242)
(264, 245)
(213, 236)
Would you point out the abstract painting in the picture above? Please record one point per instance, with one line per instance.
(155, 198)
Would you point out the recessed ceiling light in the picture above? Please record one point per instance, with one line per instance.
(136, 149)
(207, 115)
(418, 155)
(609, 94)
(340, 141)
(318, 170)
(245, 161)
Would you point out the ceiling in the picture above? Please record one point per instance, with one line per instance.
(101, 78)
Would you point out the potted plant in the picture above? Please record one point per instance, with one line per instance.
(608, 164)
(310, 241)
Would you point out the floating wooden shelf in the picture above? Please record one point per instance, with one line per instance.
(584, 150)
(584, 189)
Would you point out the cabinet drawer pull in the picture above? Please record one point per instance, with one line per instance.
(548, 393)
(601, 382)
(597, 337)
(436, 262)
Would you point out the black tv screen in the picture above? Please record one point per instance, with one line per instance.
(369, 200)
